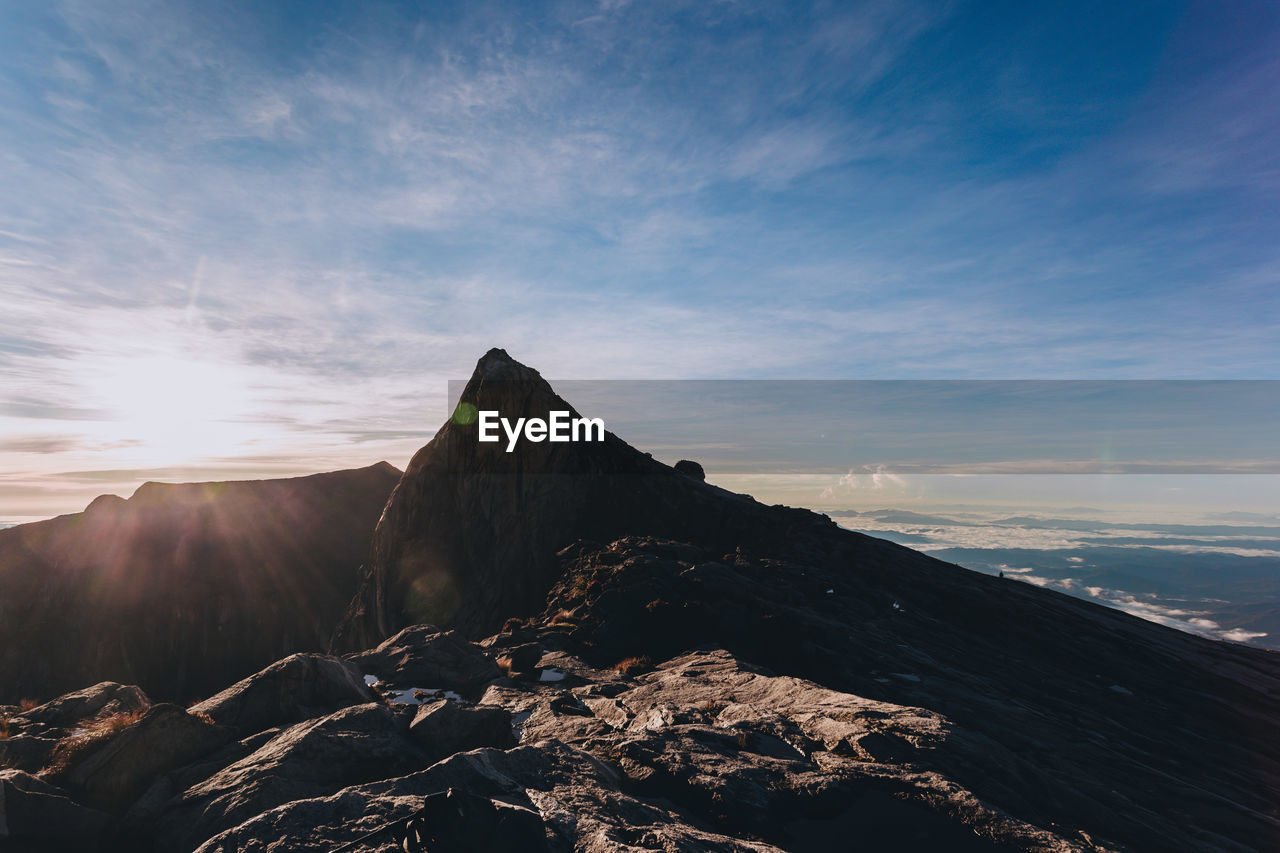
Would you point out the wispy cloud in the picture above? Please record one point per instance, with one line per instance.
(873, 477)
(334, 213)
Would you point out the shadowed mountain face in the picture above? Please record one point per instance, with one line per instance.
(470, 534)
(182, 588)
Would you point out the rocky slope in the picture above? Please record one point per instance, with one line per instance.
(182, 588)
(714, 675)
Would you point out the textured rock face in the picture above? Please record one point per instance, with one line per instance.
(422, 656)
(166, 737)
(578, 798)
(1019, 683)
(37, 816)
(182, 588)
(470, 535)
(776, 758)
(106, 697)
(297, 688)
(350, 746)
(443, 727)
(28, 739)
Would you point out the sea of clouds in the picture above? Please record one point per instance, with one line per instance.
(1215, 579)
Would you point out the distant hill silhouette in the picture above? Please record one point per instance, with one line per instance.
(182, 588)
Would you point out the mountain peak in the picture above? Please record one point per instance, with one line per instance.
(497, 364)
(471, 533)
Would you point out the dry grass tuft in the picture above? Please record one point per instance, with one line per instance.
(202, 717)
(28, 705)
(74, 748)
(568, 618)
(634, 666)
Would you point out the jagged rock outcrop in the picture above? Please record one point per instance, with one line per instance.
(182, 588)
(470, 534)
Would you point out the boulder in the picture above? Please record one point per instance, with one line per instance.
(424, 656)
(311, 759)
(144, 811)
(166, 738)
(298, 688)
(463, 822)
(37, 813)
(26, 752)
(519, 660)
(691, 469)
(101, 699)
(444, 727)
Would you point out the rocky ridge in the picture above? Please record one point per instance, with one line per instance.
(182, 588)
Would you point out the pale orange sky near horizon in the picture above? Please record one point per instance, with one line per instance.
(821, 444)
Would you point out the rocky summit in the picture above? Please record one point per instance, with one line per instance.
(471, 533)
(575, 647)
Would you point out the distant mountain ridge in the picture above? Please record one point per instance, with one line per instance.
(182, 587)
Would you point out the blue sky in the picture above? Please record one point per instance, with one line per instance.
(257, 238)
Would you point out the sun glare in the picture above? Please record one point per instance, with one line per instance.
(167, 410)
